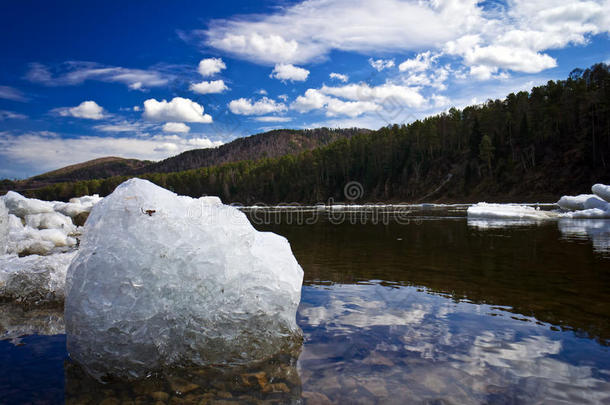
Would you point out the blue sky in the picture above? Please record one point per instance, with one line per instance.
(148, 80)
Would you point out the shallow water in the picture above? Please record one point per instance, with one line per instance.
(425, 308)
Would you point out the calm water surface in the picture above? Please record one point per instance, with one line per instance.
(431, 310)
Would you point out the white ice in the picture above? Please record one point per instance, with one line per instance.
(20, 206)
(581, 202)
(77, 205)
(50, 220)
(162, 279)
(40, 227)
(582, 216)
(508, 212)
(602, 191)
(46, 238)
(4, 228)
(34, 279)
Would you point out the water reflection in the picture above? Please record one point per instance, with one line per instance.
(484, 223)
(17, 321)
(595, 230)
(422, 347)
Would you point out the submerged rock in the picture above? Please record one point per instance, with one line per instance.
(162, 279)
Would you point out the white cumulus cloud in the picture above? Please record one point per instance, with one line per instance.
(339, 76)
(87, 109)
(353, 100)
(176, 127)
(211, 87)
(420, 63)
(314, 99)
(245, 106)
(179, 109)
(210, 66)
(290, 72)
(381, 64)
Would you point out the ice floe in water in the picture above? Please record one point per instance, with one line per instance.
(593, 206)
(581, 216)
(37, 242)
(581, 202)
(508, 211)
(492, 216)
(162, 279)
(581, 206)
(40, 227)
(34, 279)
(4, 228)
(602, 191)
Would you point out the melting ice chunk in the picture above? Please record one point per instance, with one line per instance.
(602, 191)
(508, 211)
(162, 279)
(34, 279)
(4, 228)
(20, 206)
(581, 202)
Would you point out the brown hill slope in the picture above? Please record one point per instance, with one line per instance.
(265, 145)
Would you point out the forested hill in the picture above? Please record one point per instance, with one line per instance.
(531, 146)
(264, 145)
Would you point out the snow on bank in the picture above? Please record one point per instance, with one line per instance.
(37, 242)
(162, 279)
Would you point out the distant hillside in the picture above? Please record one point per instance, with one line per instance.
(270, 144)
(100, 168)
(530, 146)
(92, 169)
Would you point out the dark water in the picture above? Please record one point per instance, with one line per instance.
(431, 310)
